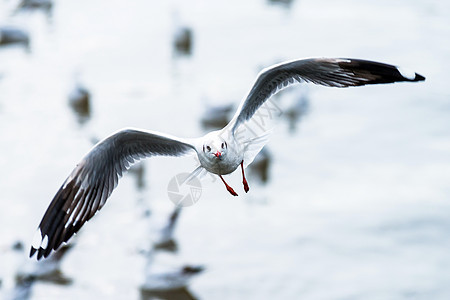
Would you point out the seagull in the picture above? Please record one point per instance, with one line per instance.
(219, 152)
(170, 279)
(166, 240)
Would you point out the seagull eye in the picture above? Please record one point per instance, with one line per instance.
(208, 148)
(224, 145)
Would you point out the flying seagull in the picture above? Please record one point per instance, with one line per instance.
(220, 152)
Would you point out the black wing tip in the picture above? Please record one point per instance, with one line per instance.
(44, 253)
(32, 251)
(386, 73)
(419, 77)
(39, 252)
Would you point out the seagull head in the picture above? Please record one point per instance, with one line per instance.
(215, 149)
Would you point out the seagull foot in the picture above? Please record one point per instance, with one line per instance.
(244, 181)
(246, 188)
(232, 192)
(229, 188)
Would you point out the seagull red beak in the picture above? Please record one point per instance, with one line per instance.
(218, 154)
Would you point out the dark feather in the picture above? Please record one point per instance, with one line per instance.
(88, 186)
(331, 72)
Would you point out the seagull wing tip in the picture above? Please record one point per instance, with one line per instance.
(419, 77)
(32, 251)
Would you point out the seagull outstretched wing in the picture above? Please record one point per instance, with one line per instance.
(92, 181)
(332, 72)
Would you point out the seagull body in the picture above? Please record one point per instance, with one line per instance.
(220, 152)
(170, 278)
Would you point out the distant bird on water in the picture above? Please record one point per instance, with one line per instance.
(13, 35)
(220, 152)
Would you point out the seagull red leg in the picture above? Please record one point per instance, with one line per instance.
(229, 188)
(244, 181)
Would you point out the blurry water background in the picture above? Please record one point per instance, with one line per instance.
(357, 204)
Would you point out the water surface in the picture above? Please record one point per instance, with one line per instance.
(358, 198)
